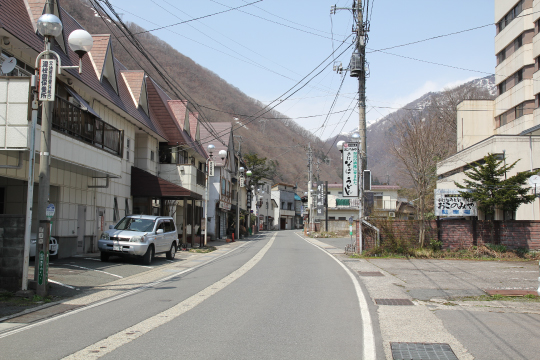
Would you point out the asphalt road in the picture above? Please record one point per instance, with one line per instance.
(276, 297)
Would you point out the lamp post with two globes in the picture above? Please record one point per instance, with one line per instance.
(80, 42)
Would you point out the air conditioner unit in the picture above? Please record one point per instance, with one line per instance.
(391, 214)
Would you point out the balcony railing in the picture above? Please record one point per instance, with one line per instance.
(82, 125)
(201, 178)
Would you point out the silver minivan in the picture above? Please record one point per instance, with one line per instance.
(140, 236)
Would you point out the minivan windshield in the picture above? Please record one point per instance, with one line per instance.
(135, 224)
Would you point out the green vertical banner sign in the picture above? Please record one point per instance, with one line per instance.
(41, 267)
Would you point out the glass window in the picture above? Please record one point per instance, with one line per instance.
(167, 225)
(127, 207)
(135, 224)
(519, 110)
(502, 87)
(503, 119)
(518, 42)
(116, 214)
(173, 227)
(519, 76)
(161, 226)
(151, 155)
(342, 218)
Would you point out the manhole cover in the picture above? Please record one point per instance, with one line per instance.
(370, 273)
(424, 351)
(393, 302)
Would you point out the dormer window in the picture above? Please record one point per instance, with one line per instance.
(102, 59)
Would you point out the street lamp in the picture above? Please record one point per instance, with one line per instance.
(209, 172)
(80, 41)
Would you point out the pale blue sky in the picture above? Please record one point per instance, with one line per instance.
(264, 59)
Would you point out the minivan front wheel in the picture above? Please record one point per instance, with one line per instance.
(172, 252)
(147, 257)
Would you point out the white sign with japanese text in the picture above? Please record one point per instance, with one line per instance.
(350, 169)
(320, 198)
(448, 202)
(211, 165)
(47, 79)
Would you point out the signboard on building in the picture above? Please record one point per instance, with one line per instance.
(211, 166)
(448, 202)
(320, 198)
(47, 79)
(350, 169)
(224, 206)
(242, 181)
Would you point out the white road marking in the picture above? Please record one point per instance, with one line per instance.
(114, 298)
(104, 272)
(95, 259)
(59, 283)
(125, 336)
(367, 325)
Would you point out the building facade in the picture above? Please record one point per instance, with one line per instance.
(508, 126)
(284, 213)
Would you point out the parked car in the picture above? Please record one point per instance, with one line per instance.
(53, 246)
(140, 236)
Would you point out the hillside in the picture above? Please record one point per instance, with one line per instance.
(441, 104)
(277, 138)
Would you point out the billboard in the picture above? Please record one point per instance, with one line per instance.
(350, 169)
(448, 202)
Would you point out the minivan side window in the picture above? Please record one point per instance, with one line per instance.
(161, 225)
(173, 228)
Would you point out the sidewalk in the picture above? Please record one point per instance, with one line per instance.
(86, 280)
(440, 313)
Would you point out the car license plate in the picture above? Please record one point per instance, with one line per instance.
(117, 248)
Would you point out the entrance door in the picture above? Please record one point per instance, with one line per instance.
(283, 223)
(81, 228)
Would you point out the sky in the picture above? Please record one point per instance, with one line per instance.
(267, 47)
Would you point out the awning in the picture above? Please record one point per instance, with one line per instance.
(84, 104)
(144, 184)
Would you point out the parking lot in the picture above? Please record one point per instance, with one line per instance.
(71, 276)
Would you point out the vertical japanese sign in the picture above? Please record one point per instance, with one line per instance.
(47, 79)
(350, 169)
(320, 198)
(211, 165)
(448, 202)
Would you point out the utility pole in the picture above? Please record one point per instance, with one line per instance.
(310, 186)
(357, 68)
(44, 228)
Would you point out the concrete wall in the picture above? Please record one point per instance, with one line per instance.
(11, 251)
(474, 122)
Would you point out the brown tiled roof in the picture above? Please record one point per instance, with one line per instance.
(134, 80)
(99, 52)
(160, 113)
(35, 10)
(193, 123)
(178, 108)
(15, 19)
(144, 184)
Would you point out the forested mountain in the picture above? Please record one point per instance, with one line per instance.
(277, 138)
(442, 105)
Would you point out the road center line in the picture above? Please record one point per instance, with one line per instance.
(125, 336)
(367, 325)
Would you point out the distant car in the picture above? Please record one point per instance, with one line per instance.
(53, 246)
(140, 236)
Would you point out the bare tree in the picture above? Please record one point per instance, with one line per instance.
(419, 141)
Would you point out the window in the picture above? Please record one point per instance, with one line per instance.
(340, 192)
(512, 14)
(342, 218)
(223, 187)
(502, 87)
(128, 142)
(519, 110)
(127, 207)
(2, 200)
(290, 206)
(537, 100)
(332, 218)
(161, 226)
(537, 63)
(116, 214)
(519, 76)
(167, 226)
(501, 56)
(503, 119)
(518, 42)
(151, 155)
(283, 205)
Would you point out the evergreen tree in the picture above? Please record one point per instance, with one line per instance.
(260, 167)
(486, 184)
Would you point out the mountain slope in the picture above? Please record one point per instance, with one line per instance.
(442, 104)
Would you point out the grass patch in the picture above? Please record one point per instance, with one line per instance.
(9, 299)
(203, 250)
(488, 252)
(498, 297)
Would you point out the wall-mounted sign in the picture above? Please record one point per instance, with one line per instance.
(47, 79)
(320, 198)
(242, 181)
(224, 206)
(350, 169)
(211, 166)
(448, 202)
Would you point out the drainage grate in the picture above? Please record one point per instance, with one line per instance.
(393, 302)
(370, 273)
(423, 351)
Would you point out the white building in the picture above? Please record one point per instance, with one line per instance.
(284, 212)
(509, 126)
